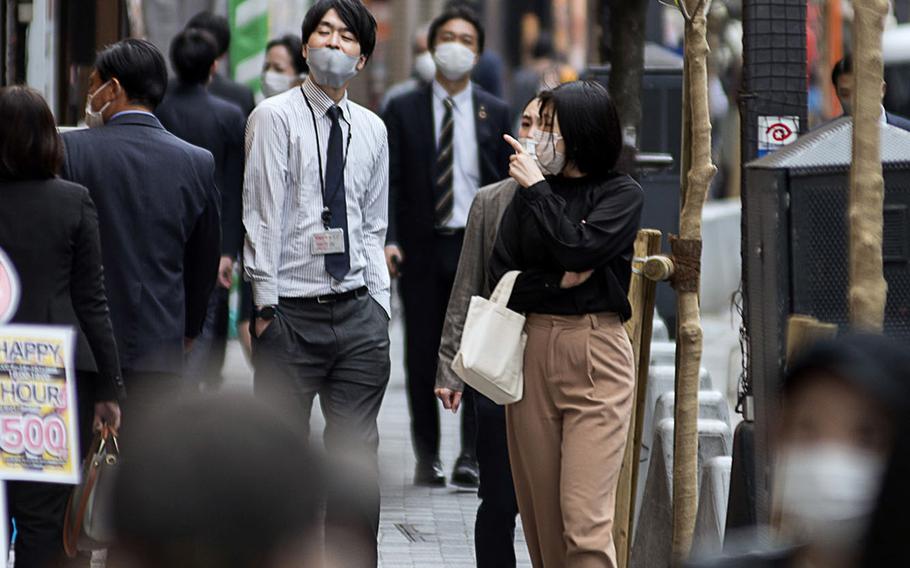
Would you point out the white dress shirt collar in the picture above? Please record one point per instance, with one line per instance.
(461, 98)
(321, 102)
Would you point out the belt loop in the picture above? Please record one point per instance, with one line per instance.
(593, 321)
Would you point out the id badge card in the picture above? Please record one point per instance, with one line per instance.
(330, 241)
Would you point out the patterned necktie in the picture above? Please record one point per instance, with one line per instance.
(445, 199)
(339, 264)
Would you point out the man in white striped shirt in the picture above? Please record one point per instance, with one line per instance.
(315, 209)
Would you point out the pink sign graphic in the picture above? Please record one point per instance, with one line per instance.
(9, 289)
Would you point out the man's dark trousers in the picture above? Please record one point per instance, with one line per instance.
(340, 351)
(494, 530)
(426, 284)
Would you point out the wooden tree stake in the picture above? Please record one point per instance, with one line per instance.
(868, 289)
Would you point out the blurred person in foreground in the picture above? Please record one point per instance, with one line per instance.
(221, 85)
(49, 230)
(570, 230)
(494, 530)
(844, 82)
(315, 211)
(424, 69)
(220, 482)
(841, 402)
(284, 67)
(158, 209)
(445, 142)
(194, 115)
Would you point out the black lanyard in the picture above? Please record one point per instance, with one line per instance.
(326, 212)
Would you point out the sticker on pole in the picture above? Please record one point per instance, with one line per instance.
(9, 289)
(775, 132)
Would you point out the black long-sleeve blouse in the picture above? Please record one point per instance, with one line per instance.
(570, 224)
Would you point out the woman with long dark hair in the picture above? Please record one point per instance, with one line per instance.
(49, 230)
(570, 231)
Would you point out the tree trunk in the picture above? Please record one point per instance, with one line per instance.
(627, 60)
(868, 290)
(687, 256)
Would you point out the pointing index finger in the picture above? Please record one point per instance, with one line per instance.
(515, 144)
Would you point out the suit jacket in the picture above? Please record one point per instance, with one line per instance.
(193, 114)
(160, 233)
(233, 92)
(412, 156)
(898, 121)
(472, 279)
(49, 230)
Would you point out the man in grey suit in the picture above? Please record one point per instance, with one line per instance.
(494, 531)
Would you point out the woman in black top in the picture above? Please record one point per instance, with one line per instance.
(570, 231)
(49, 230)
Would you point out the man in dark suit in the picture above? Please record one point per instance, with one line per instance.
(445, 142)
(221, 85)
(158, 215)
(843, 80)
(193, 114)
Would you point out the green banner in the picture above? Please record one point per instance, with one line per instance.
(249, 35)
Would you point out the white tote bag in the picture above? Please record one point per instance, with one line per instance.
(491, 356)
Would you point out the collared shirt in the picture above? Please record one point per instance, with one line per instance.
(283, 202)
(466, 157)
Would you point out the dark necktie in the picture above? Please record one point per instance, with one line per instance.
(445, 198)
(339, 264)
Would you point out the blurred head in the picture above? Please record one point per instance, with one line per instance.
(128, 74)
(284, 65)
(456, 38)
(543, 47)
(30, 147)
(837, 425)
(845, 84)
(193, 55)
(225, 481)
(216, 25)
(578, 127)
(285, 55)
(339, 37)
(424, 66)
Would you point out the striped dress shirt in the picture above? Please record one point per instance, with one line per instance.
(282, 197)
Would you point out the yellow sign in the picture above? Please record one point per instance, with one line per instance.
(39, 439)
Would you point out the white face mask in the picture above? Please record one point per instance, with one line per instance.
(454, 60)
(275, 83)
(530, 145)
(827, 493)
(425, 67)
(95, 118)
(550, 160)
(331, 67)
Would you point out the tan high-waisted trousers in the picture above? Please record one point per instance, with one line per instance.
(567, 437)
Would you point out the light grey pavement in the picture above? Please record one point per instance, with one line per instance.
(422, 527)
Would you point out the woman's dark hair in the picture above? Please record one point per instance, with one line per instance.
(295, 47)
(588, 123)
(216, 25)
(138, 66)
(30, 147)
(355, 16)
(193, 52)
(457, 12)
